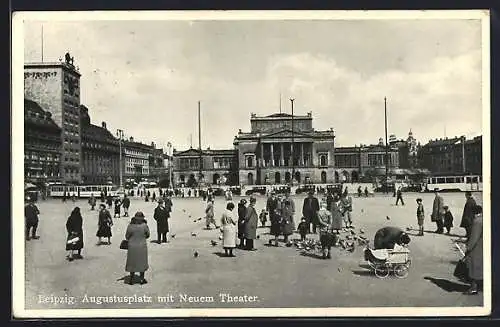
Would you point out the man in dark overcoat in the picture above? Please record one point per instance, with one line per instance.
(468, 215)
(438, 212)
(310, 211)
(31, 213)
(251, 222)
(161, 216)
(126, 205)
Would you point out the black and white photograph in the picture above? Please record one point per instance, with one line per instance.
(251, 164)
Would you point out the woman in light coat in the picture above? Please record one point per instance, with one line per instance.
(474, 253)
(137, 253)
(336, 209)
(229, 230)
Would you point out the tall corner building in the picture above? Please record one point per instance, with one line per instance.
(55, 86)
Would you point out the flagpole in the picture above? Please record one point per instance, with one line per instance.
(42, 42)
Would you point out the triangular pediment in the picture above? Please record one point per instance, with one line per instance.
(287, 133)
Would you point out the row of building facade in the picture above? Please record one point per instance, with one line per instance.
(61, 144)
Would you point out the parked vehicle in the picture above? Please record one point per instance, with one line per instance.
(305, 188)
(256, 190)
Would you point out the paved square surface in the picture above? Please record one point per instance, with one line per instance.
(270, 276)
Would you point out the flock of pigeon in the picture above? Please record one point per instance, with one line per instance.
(347, 239)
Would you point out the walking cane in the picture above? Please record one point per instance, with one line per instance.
(460, 249)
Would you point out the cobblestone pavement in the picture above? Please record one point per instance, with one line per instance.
(269, 277)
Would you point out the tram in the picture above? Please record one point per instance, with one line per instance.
(57, 190)
(472, 183)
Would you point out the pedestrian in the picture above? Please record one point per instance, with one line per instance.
(310, 210)
(146, 198)
(104, 225)
(109, 201)
(474, 251)
(467, 215)
(359, 191)
(438, 211)
(400, 196)
(228, 230)
(388, 237)
(65, 195)
(126, 205)
(168, 203)
(303, 228)
(326, 236)
(448, 219)
(346, 202)
(92, 201)
(74, 241)
(137, 252)
(161, 216)
(287, 217)
(251, 220)
(263, 217)
(31, 213)
(336, 211)
(73, 197)
(420, 217)
(366, 191)
(329, 199)
(242, 212)
(209, 213)
(118, 204)
(102, 197)
(154, 197)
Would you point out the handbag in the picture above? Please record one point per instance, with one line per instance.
(124, 245)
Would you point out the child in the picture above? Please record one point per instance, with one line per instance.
(420, 217)
(303, 229)
(263, 217)
(448, 219)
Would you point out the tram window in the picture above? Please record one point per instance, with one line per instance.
(474, 179)
(449, 180)
(480, 179)
(467, 180)
(440, 180)
(460, 179)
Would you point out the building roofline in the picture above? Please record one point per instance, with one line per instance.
(52, 64)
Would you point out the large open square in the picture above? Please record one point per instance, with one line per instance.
(270, 277)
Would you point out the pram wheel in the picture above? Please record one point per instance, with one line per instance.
(381, 271)
(401, 270)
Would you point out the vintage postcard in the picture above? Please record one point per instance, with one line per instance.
(251, 164)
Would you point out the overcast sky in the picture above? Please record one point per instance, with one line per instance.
(146, 77)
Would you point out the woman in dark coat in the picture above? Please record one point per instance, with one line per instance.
(242, 212)
(104, 224)
(118, 204)
(74, 242)
(274, 209)
(474, 253)
(137, 253)
(387, 237)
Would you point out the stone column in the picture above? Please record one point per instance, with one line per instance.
(301, 162)
(272, 154)
(261, 154)
(282, 155)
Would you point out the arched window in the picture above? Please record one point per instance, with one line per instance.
(250, 179)
(323, 160)
(323, 177)
(249, 162)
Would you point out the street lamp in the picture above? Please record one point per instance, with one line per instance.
(119, 133)
(170, 177)
(292, 152)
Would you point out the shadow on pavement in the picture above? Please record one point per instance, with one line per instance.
(363, 273)
(447, 285)
(311, 255)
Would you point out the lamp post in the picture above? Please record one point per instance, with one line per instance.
(119, 133)
(386, 148)
(170, 177)
(293, 158)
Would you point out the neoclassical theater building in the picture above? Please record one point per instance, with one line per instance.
(273, 152)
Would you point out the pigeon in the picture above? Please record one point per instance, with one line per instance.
(408, 229)
(183, 210)
(194, 221)
(353, 232)
(361, 231)
(199, 219)
(270, 242)
(189, 216)
(362, 210)
(173, 235)
(351, 248)
(288, 244)
(193, 234)
(339, 269)
(387, 217)
(220, 237)
(258, 236)
(196, 254)
(349, 237)
(213, 242)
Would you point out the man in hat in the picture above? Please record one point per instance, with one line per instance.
(161, 216)
(388, 237)
(251, 222)
(438, 211)
(126, 205)
(467, 214)
(242, 212)
(31, 213)
(310, 211)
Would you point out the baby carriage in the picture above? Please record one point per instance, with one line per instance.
(383, 261)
